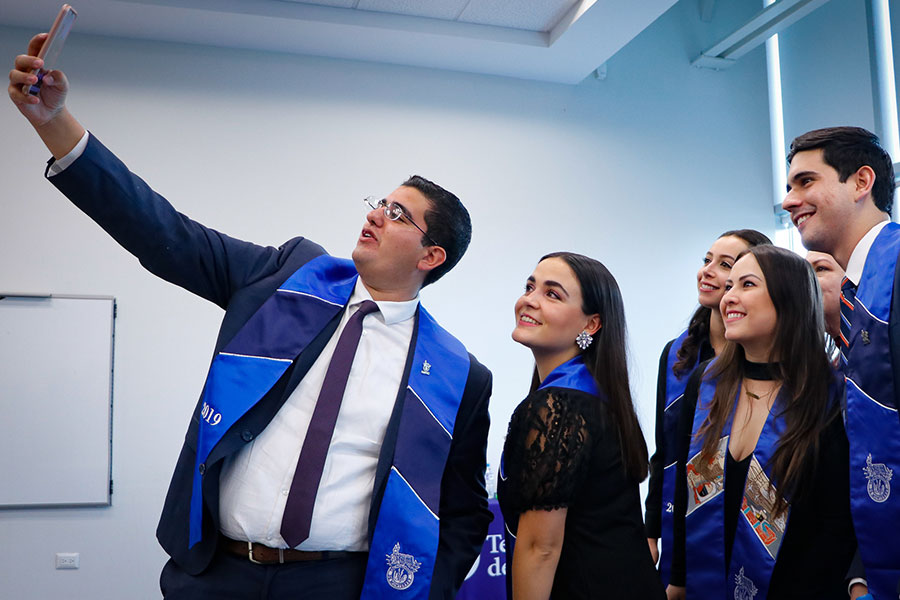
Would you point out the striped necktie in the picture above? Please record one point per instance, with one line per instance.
(848, 294)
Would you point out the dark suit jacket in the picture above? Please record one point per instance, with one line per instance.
(239, 276)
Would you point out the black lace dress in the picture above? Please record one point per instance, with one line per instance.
(561, 450)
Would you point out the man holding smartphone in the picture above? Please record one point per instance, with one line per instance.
(273, 491)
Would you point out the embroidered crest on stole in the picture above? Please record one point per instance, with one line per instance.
(401, 568)
(879, 480)
(744, 588)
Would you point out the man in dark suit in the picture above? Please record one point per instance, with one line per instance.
(840, 195)
(395, 499)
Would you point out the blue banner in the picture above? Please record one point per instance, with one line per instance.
(873, 426)
(675, 386)
(759, 532)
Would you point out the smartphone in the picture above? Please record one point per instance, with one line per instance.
(52, 47)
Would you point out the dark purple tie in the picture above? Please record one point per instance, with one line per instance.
(302, 497)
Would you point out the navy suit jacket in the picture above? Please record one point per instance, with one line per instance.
(239, 276)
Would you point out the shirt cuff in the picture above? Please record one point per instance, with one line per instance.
(58, 166)
(854, 581)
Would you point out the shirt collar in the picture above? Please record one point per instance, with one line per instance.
(391, 312)
(858, 258)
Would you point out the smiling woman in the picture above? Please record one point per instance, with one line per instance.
(748, 312)
(704, 338)
(762, 498)
(574, 453)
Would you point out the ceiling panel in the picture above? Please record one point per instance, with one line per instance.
(565, 52)
(331, 3)
(531, 15)
(447, 10)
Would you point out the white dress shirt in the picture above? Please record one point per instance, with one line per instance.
(255, 481)
(857, 261)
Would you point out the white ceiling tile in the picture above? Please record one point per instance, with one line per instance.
(332, 3)
(530, 15)
(447, 10)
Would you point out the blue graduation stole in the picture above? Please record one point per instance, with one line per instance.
(404, 545)
(574, 375)
(405, 542)
(675, 386)
(871, 416)
(758, 535)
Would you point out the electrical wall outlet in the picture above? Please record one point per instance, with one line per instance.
(67, 560)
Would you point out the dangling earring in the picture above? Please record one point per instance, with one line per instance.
(584, 340)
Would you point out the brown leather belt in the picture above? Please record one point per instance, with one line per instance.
(263, 555)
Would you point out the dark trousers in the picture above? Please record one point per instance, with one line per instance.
(230, 577)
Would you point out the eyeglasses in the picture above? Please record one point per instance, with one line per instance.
(394, 211)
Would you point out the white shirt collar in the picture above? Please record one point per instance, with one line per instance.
(391, 312)
(858, 258)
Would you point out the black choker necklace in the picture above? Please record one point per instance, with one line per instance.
(761, 371)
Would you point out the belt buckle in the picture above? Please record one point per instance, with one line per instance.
(250, 554)
(257, 562)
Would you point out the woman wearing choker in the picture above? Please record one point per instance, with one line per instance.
(703, 339)
(574, 453)
(762, 500)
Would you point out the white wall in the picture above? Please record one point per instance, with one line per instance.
(826, 79)
(641, 170)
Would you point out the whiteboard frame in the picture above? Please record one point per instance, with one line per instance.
(92, 496)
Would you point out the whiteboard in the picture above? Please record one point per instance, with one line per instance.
(56, 358)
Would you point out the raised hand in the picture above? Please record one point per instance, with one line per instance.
(50, 101)
(47, 110)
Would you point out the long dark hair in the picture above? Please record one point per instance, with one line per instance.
(698, 328)
(606, 357)
(804, 372)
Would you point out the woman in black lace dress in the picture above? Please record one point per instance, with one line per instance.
(574, 453)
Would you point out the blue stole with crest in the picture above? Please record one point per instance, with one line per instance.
(758, 535)
(675, 386)
(404, 545)
(574, 375)
(871, 417)
(407, 530)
